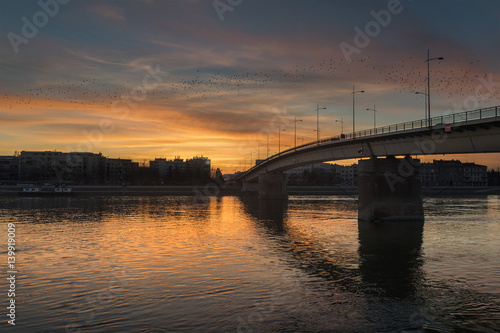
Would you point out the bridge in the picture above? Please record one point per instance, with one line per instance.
(382, 180)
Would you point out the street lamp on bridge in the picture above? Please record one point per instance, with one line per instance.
(279, 138)
(258, 149)
(251, 158)
(429, 84)
(295, 135)
(317, 120)
(268, 145)
(425, 94)
(341, 121)
(353, 118)
(374, 117)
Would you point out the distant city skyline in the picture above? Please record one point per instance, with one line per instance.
(150, 79)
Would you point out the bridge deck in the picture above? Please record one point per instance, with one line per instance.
(448, 134)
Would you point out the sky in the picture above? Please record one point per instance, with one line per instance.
(226, 79)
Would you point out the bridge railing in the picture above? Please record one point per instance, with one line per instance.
(424, 123)
(491, 112)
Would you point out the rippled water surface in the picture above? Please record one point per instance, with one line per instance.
(164, 264)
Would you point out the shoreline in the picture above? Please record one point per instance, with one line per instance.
(79, 191)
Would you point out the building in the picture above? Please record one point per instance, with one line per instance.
(349, 175)
(199, 163)
(323, 174)
(428, 174)
(178, 166)
(93, 168)
(50, 167)
(179, 172)
(453, 173)
(449, 173)
(475, 175)
(117, 171)
(494, 178)
(58, 168)
(9, 170)
(165, 167)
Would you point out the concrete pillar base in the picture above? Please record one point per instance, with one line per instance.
(272, 185)
(250, 187)
(390, 190)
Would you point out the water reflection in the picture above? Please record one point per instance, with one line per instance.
(303, 265)
(272, 210)
(390, 256)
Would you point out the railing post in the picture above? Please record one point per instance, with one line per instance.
(480, 114)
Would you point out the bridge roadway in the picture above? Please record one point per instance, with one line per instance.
(476, 131)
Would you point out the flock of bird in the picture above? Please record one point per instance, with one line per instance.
(455, 81)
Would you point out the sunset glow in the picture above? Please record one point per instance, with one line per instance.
(146, 79)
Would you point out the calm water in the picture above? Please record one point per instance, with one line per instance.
(162, 264)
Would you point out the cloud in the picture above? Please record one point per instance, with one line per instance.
(226, 79)
(107, 11)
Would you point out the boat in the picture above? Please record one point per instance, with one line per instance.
(50, 190)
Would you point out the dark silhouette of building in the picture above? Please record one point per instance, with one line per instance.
(193, 171)
(453, 173)
(321, 174)
(9, 169)
(59, 168)
(494, 178)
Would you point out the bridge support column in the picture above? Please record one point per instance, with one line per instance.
(389, 189)
(272, 185)
(250, 187)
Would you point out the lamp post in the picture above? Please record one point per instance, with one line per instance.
(295, 135)
(317, 120)
(341, 121)
(425, 94)
(279, 138)
(429, 85)
(374, 117)
(258, 149)
(268, 146)
(353, 117)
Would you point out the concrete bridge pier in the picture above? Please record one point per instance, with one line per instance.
(390, 190)
(273, 185)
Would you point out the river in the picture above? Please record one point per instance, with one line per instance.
(166, 264)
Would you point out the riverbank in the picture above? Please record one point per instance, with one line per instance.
(235, 190)
(435, 191)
